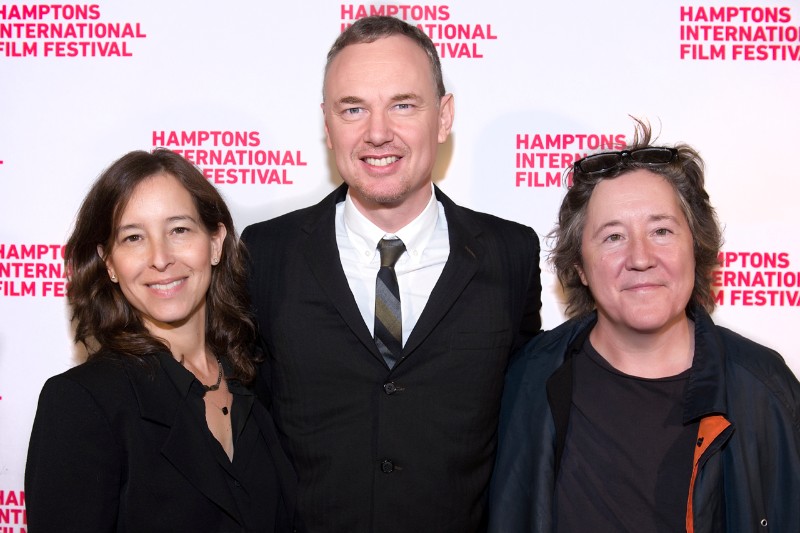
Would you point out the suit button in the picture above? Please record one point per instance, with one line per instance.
(387, 467)
(389, 388)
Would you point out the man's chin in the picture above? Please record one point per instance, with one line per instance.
(384, 197)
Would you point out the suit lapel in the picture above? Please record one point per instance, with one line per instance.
(461, 266)
(322, 254)
(186, 446)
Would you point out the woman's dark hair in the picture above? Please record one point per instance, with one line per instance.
(104, 319)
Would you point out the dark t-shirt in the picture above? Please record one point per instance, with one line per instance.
(627, 461)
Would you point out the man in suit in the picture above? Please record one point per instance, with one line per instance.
(385, 381)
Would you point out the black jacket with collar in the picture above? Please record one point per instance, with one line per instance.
(747, 464)
(406, 449)
(117, 447)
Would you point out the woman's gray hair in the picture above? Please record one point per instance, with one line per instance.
(685, 174)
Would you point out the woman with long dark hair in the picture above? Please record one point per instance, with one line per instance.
(157, 430)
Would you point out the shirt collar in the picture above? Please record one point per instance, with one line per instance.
(185, 381)
(364, 235)
(180, 377)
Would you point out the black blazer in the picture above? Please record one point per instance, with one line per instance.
(116, 447)
(407, 449)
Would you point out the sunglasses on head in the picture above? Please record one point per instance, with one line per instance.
(607, 161)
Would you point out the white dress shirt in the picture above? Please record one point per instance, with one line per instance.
(418, 269)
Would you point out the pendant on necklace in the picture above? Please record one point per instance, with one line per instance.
(224, 410)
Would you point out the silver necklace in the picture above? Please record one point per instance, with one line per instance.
(216, 385)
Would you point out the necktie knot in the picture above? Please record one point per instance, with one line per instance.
(390, 250)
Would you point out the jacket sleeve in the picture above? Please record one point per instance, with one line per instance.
(531, 313)
(521, 489)
(72, 476)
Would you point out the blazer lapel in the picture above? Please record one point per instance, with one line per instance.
(186, 446)
(322, 254)
(461, 266)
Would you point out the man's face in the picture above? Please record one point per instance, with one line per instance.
(383, 121)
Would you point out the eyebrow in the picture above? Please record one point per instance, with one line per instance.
(350, 100)
(405, 96)
(651, 218)
(355, 100)
(177, 218)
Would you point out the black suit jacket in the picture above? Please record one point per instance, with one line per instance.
(116, 447)
(407, 449)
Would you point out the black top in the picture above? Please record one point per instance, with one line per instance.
(627, 462)
(121, 443)
(251, 474)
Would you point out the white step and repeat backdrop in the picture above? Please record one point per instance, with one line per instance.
(236, 86)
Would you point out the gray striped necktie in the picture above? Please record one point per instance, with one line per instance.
(388, 321)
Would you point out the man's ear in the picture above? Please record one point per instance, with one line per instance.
(325, 122)
(446, 116)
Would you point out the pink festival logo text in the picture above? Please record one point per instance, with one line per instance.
(756, 278)
(66, 31)
(740, 33)
(452, 39)
(543, 158)
(32, 270)
(232, 157)
(13, 517)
